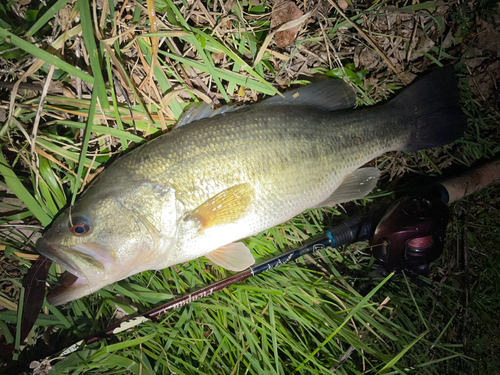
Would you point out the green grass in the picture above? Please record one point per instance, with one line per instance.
(320, 315)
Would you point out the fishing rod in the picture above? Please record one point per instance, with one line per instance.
(358, 228)
(407, 235)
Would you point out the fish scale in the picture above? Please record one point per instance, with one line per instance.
(196, 190)
(280, 161)
(289, 154)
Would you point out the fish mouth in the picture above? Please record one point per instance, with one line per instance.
(85, 266)
(46, 249)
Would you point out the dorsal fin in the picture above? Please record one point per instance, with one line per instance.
(328, 95)
(203, 110)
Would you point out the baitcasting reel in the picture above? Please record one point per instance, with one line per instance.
(410, 235)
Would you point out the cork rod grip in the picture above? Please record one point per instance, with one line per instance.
(473, 181)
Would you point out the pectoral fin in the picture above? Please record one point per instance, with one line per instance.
(223, 208)
(355, 185)
(233, 257)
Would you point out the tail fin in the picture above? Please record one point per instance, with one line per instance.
(431, 105)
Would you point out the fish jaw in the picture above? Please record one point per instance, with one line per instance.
(69, 287)
(89, 267)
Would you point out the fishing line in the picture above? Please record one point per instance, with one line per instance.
(127, 100)
(70, 216)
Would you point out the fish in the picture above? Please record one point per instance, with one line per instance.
(221, 176)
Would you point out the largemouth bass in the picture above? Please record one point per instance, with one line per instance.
(231, 174)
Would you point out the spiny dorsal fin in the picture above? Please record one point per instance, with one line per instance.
(355, 186)
(328, 95)
(203, 110)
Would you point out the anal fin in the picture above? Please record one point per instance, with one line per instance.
(233, 257)
(355, 186)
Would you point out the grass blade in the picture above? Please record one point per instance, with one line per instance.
(22, 193)
(361, 304)
(93, 51)
(85, 144)
(99, 129)
(43, 20)
(395, 360)
(45, 56)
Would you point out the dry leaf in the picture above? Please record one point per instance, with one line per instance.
(484, 84)
(488, 38)
(230, 5)
(65, 17)
(241, 92)
(218, 57)
(343, 4)
(282, 13)
(366, 58)
(34, 285)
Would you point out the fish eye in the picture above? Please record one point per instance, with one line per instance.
(80, 227)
